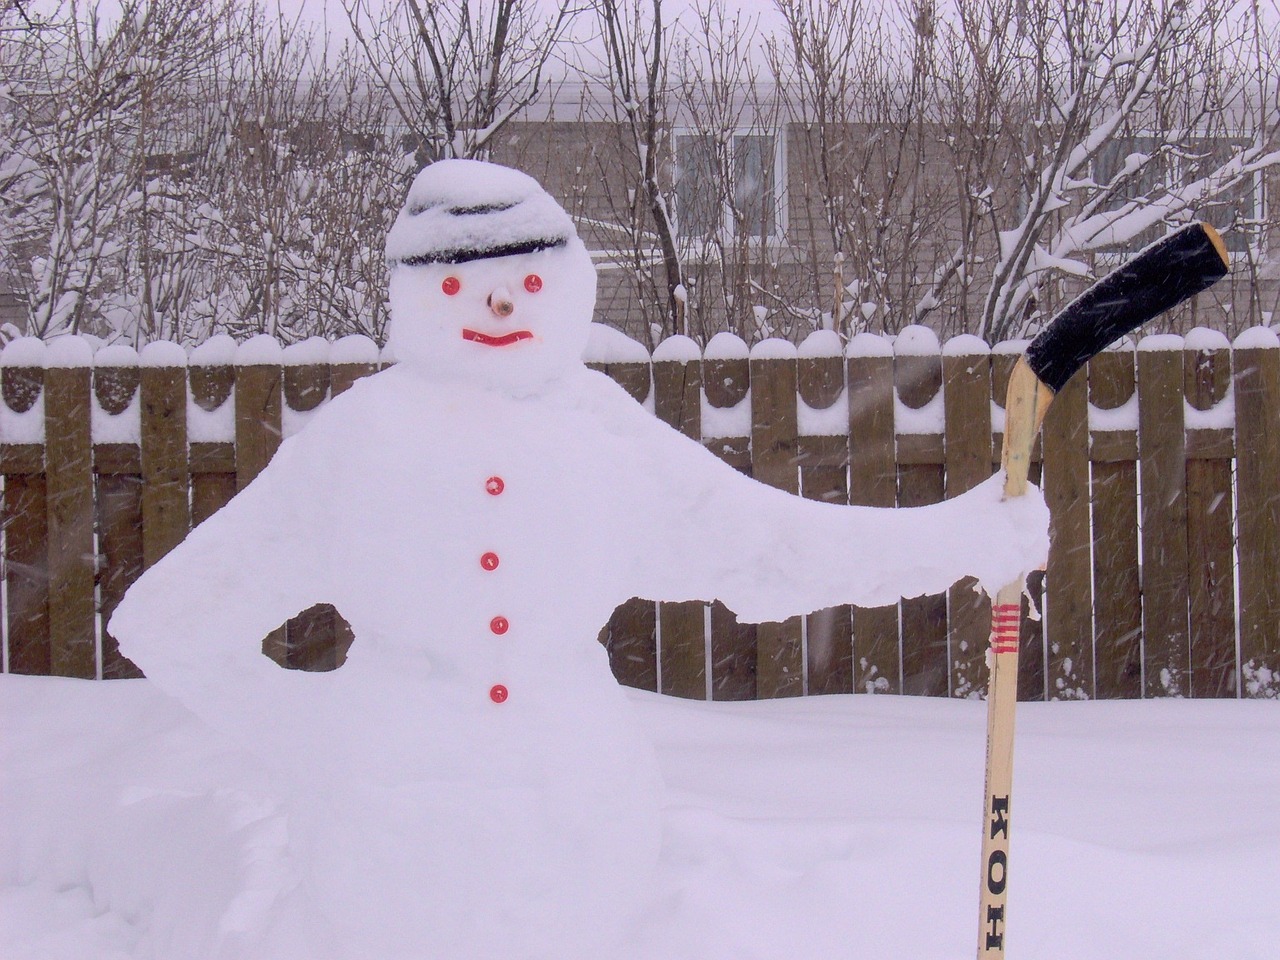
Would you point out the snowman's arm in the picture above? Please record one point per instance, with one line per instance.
(198, 617)
(767, 554)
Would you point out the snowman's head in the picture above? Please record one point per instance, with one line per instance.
(489, 280)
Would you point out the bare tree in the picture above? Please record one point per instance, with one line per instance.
(1151, 85)
(458, 71)
(78, 88)
(633, 74)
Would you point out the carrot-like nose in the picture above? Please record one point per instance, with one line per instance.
(500, 302)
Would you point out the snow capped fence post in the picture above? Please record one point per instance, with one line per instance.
(823, 449)
(1113, 446)
(966, 393)
(1163, 482)
(350, 359)
(1068, 604)
(873, 482)
(630, 636)
(779, 646)
(26, 511)
(1257, 399)
(726, 432)
(917, 374)
(69, 475)
(677, 401)
(1210, 560)
(121, 489)
(312, 637)
(259, 429)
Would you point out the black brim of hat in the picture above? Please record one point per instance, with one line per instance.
(467, 254)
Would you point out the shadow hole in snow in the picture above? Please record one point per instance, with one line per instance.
(316, 640)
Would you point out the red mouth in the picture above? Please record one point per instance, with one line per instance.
(505, 340)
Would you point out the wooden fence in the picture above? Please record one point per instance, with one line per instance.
(1161, 468)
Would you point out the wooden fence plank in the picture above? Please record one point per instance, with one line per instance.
(630, 636)
(1210, 539)
(166, 483)
(120, 488)
(69, 479)
(918, 379)
(120, 547)
(726, 378)
(1068, 603)
(318, 638)
(774, 432)
(677, 395)
(25, 521)
(966, 375)
(1257, 392)
(1118, 597)
(258, 431)
(26, 571)
(213, 474)
(873, 482)
(1163, 483)
(824, 476)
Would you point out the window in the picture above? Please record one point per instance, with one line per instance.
(1236, 210)
(729, 187)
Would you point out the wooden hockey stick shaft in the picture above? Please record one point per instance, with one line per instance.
(1166, 273)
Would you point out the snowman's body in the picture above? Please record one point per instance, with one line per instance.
(476, 514)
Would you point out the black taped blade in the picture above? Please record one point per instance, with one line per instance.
(1169, 271)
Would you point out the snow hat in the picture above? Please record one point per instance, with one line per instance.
(463, 210)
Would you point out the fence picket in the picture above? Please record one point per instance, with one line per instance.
(725, 382)
(119, 494)
(630, 636)
(921, 480)
(1118, 598)
(1163, 483)
(1210, 554)
(258, 432)
(1068, 602)
(873, 482)
(69, 479)
(677, 396)
(774, 432)
(824, 473)
(1256, 363)
(966, 375)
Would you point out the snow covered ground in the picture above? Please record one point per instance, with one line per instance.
(818, 828)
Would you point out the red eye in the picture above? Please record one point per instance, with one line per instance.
(450, 286)
(533, 283)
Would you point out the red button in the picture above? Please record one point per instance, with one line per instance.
(489, 561)
(499, 625)
(498, 693)
(494, 486)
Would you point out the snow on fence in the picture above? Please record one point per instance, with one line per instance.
(1161, 467)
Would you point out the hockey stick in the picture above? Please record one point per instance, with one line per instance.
(1160, 277)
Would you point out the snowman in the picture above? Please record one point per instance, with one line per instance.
(472, 783)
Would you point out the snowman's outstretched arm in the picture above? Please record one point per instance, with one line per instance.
(768, 554)
(196, 619)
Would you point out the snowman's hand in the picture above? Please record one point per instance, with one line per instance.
(194, 622)
(769, 555)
